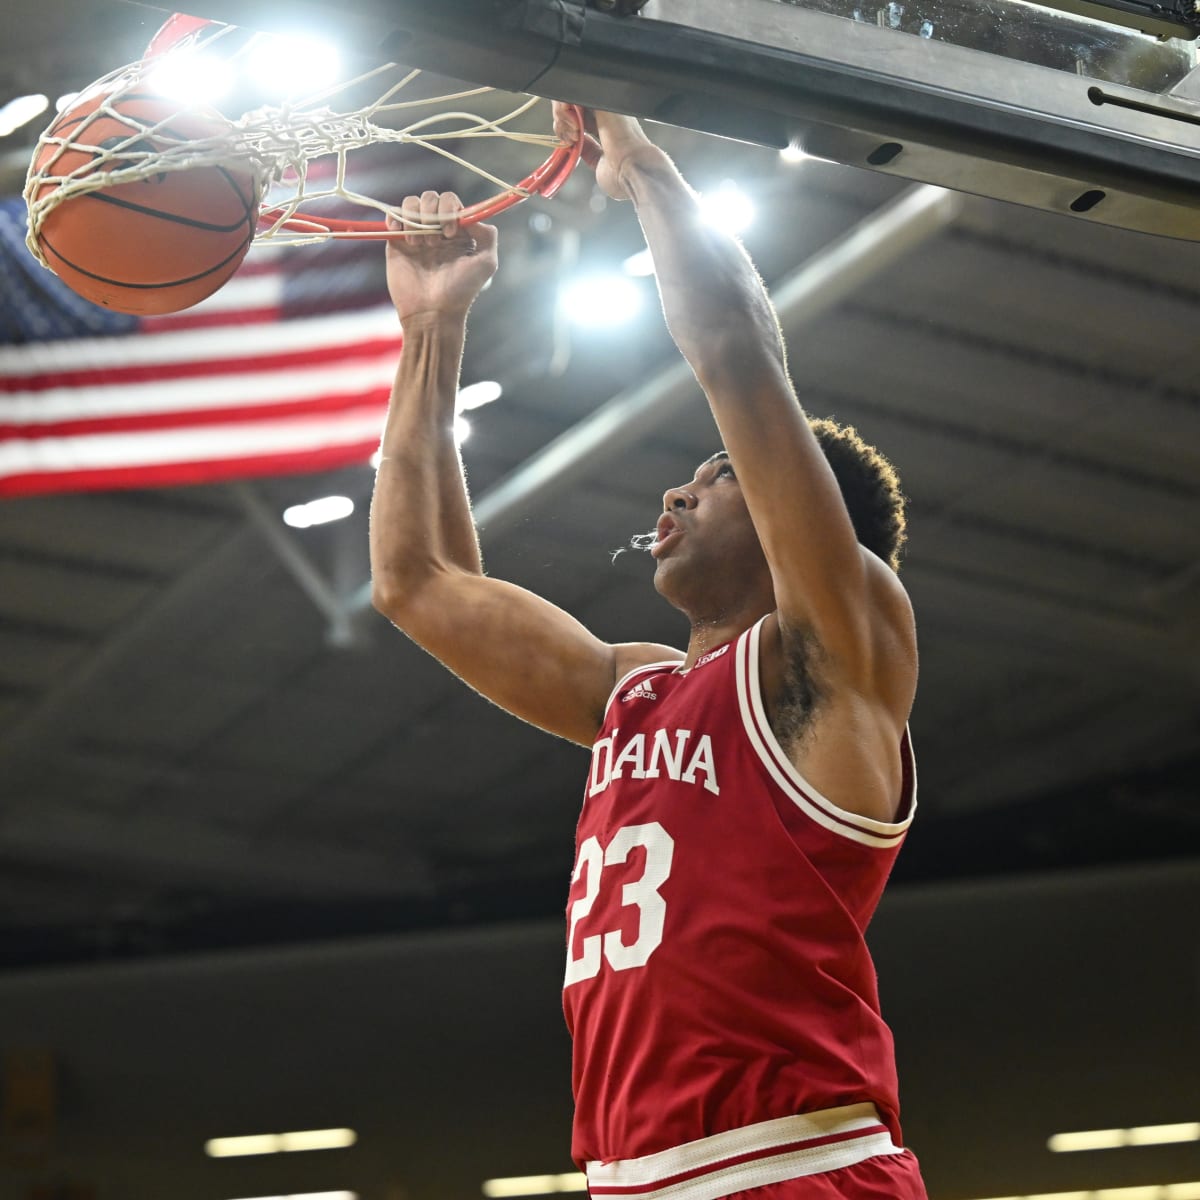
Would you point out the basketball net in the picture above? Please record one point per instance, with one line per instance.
(277, 144)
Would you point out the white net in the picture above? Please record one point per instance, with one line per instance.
(276, 145)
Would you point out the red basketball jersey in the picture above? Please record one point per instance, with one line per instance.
(717, 975)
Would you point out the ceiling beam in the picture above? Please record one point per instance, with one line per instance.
(172, 849)
(1058, 628)
(150, 847)
(157, 619)
(299, 566)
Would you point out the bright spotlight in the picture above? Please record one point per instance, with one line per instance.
(476, 395)
(793, 152)
(728, 208)
(639, 265)
(602, 301)
(533, 1185)
(462, 429)
(192, 78)
(20, 111)
(318, 512)
(286, 65)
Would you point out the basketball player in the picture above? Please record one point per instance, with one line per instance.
(746, 800)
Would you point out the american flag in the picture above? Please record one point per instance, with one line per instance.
(286, 369)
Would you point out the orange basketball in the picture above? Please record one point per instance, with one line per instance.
(155, 245)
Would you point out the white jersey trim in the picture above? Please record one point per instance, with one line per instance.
(869, 832)
(753, 1156)
(624, 680)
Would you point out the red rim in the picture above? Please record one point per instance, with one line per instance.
(544, 181)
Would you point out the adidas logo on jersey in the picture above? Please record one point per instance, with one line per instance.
(640, 691)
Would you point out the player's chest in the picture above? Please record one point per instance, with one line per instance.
(668, 751)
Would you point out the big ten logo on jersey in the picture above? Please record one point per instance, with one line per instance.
(635, 926)
(653, 755)
(711, 656)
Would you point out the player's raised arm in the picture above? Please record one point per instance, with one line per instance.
(722, 320)
(520, 651)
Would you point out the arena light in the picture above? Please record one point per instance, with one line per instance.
(318, 512)
(20, 111)
(308, 1196)
(534, 1185)
(476, 395)
(287, 65)
(1138, 1135)
(601, 301)
(317, 1139)
(1154, 1191)
(1086, 1139)
(192, 77)
(793, 152)
(639, 265)
(728, 207)
(280, 1143)
(1158, 1135)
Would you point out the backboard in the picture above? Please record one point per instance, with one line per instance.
(1099, 119)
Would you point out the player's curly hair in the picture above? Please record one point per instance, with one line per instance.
(870, 487)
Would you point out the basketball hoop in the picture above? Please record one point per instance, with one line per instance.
(276, 144)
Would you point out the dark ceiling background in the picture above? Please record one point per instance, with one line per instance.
(190, 755)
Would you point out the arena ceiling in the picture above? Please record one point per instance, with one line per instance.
(207, 738)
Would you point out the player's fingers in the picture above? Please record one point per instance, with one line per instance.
(404, 219)
(449, 205)
(592, 152)
(429, 208)
(410, 212)
(566, 124)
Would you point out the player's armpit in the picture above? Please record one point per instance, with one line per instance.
(855, 756)
(881, 670)
(520, 651)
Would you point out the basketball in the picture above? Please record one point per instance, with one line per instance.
(152, 245)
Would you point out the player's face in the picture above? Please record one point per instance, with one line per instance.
(705, 536)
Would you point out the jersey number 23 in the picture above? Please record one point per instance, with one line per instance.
(641, 893)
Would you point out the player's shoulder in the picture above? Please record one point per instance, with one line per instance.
(892, 619)
(883, 578)
(623, 661)
(632, 658)
(629, 657)
(886, 605)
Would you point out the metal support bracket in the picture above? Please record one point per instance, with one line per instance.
(334, 607)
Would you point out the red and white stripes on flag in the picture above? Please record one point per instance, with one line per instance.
(223, 391)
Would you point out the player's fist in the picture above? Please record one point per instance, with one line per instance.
(440, 266)
(611, 144)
